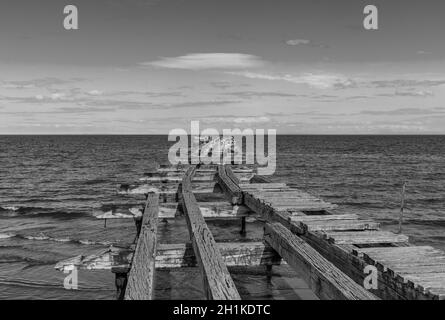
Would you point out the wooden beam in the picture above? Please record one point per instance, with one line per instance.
(231, 175)
(140, 280)
(326, 280)
(230, 188)
(218, 283)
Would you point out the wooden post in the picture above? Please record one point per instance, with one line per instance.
(138, 223)
(402, 207)
(269, 272)
(121, 284)
(243, 226)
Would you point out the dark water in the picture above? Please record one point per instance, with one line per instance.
(51, 187)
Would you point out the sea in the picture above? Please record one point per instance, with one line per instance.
(53, 187)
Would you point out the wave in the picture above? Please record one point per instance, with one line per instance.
(368, 204)
(427, 222)
(17, 211)
(430, 200)
(6, 235)
(142, 189)
(44, 284)
(30, 261)
(43, 237)
(95, 181)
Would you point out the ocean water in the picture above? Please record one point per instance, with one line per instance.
(51, 188)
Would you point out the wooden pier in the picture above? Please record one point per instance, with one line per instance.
(329, 251)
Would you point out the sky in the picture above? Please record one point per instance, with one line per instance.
(150, 66)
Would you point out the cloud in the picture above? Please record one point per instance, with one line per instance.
(203, 61)
(227, 84)
(238, 120)
(297, 42)
(251, 120)
(95, 93)
(47, 82)
(403, 112)
(412, 93)
(193, 104)
(319, 81)
(305, 42)
(406, 83)
(262, 94)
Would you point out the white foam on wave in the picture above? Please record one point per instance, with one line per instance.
(6, 235)
(44, 237)
(91, 242)
(137, 212)
(11, 208)
(41, 236)
(139, 190)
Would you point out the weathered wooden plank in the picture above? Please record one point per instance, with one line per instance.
(231, 189)
(282, 191)
(326, 280)
(262, 186)
(395, 251)
(340, 225)
(140, 280)
(401, 261)
(285, 197)
(398, 260)
(324, 217)
(293, 203)
(365, 237)
(306, 207)
(290, 200)
(423, 267)
(218, 283)
(425, 281)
